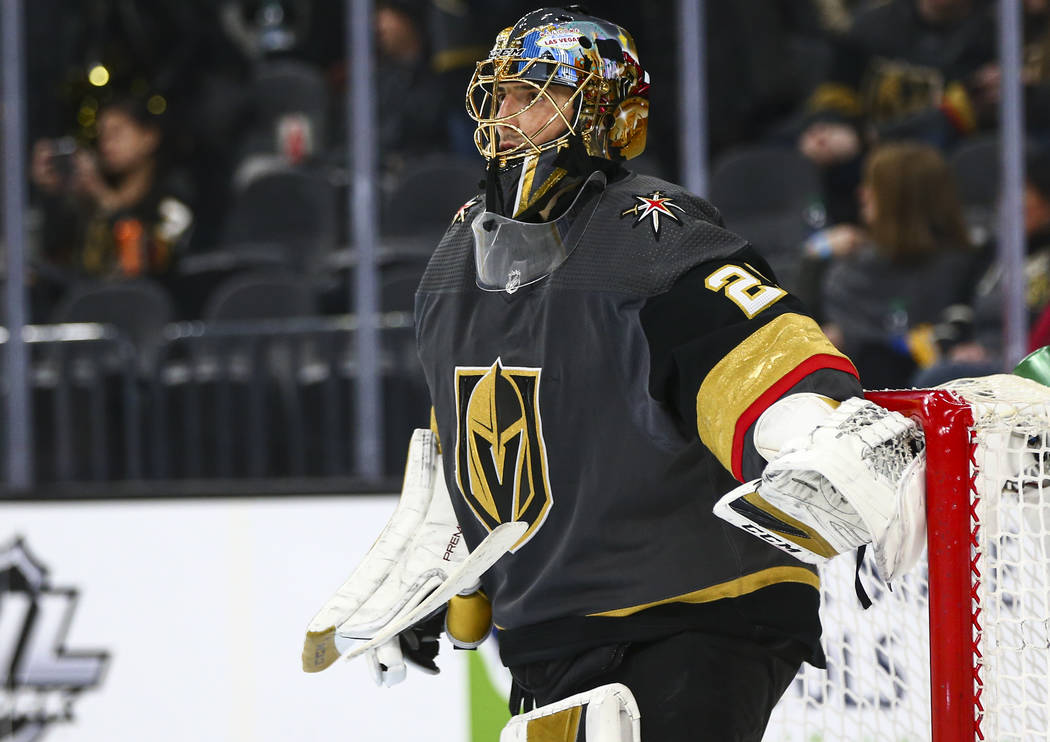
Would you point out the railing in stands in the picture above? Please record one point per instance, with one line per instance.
(259, 407)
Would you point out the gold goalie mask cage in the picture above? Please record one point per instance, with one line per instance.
(583, 69)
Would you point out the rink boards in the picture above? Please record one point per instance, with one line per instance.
(172, 620)
(176, 619)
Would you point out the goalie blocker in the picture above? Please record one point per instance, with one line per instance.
(856, 478)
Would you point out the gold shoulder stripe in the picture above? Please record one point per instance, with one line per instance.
(732, 589)
(776, 351)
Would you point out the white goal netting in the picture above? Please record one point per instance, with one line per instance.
(877, 685)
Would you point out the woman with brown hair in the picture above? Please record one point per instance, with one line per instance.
(911, 258)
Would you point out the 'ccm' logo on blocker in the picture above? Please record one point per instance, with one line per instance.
(39, 677)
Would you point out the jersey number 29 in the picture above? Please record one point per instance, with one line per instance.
(744, 289)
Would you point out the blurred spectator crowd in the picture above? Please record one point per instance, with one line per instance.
(196, 144)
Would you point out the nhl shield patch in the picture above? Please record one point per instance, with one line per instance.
(651, 207)
(501, 457)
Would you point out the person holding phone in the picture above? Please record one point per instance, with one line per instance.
(110, 212)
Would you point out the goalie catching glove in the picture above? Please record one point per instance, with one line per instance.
(416, 552)
(857, 477)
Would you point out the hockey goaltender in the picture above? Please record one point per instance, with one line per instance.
(605, 363)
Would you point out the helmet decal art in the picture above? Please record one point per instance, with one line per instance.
(581, 69)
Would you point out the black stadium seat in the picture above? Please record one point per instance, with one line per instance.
(424, 200)
(976, 167)
(90, 392)
(288, 214)
(139, 309)
(262, 295)
(771, 196)
(763, 180)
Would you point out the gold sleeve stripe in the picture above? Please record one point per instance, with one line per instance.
(831, 96)
(753, 375)
(732, 589)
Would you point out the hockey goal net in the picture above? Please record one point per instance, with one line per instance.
(959, 649)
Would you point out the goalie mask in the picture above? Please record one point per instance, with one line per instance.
(603, 100)
(559, 102)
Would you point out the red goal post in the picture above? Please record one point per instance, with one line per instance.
(959, 649)
(947, 422)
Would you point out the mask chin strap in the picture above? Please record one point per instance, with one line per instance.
(531, 189)
(494, 199)
(520, 190)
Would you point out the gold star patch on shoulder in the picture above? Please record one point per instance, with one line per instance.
(651, 207)
(461, 214)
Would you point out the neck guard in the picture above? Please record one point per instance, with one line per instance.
(532, 189)
(510, 253)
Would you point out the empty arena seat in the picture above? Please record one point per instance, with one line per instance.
(139, 309)
(772, 197)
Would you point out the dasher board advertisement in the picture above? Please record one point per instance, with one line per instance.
(173, 620)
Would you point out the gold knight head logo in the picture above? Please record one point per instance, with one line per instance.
(501, 461)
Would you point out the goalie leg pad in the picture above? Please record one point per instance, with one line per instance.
(607, 713)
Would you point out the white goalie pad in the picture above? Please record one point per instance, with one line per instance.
(857, 478)
(608, 713)
(416, 550)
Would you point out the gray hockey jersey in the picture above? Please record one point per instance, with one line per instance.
(609, 405)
